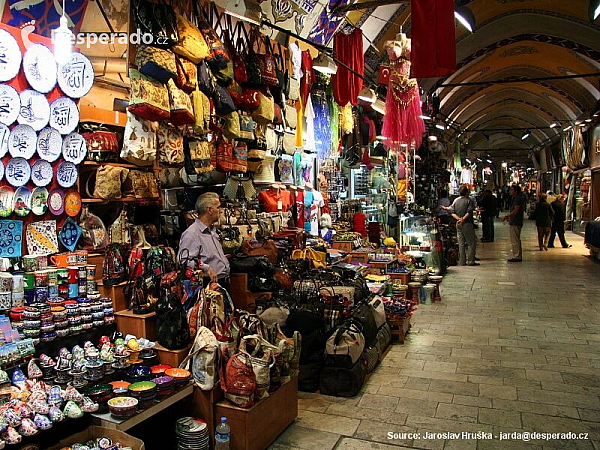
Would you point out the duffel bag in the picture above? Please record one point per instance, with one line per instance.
(313, 347)
(384, 337)
(342, 382)
(258, 265)
(371, 357)
(364, 314)
(346, 343)
(309, 376)
(378, 310)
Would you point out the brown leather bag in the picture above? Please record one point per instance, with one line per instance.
(268, 249)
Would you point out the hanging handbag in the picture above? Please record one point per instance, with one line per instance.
(102, 143)
(231, 130)
(249, 100)
(291, 116)
(119, 231)
(218, 57)
(239, 65)
(187, 75)
(268, 66)
(266, 110)
(149, 99)
(156, 19)
(139, 141)
(293, 89)
(247, 126)
(182, 112)
(277, 114)
(223, 102)
(191, 44)
(282, 76)
(170, 144)
(225, 160)
(201, 105)
(197, 155)
(289, 143)
(156, 63)
(272, 140)
(206, 81)
(240, 156)
(144, 184)
(108, 182)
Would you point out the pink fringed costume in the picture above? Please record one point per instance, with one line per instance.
(402, 123)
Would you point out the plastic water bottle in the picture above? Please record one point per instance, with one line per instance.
(222, 435)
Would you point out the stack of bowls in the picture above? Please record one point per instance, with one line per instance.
(165, 386)
(144, 391)
(138, 373)
(181, 376)
(31, 322)
(61, 324)
(123, 407)
(159, 370)
(101, 394)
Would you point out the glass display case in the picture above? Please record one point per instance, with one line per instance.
(419, 237)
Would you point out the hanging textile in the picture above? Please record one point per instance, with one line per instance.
(309, 132)
(296, 58)
(348, 49)
(402, 123)
(334, 114)
(323, 141)
(434, 39)
(308, 76)
(299, 126)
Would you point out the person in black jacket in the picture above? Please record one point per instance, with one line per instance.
(558, 224)
(488, 205)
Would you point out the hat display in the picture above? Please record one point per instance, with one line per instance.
(56, 201)
(41, 173)
(22, 142)
(64, 115)
(39, 67)
(49, 144)
(66, 175)
(12, 56)
(22, 201)
(18, 172)
(6, 201)
(39, 201)
(11, 103)
(35, 110)
(76, 76)
(74, 148)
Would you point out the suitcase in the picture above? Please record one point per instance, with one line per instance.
(384, 337)
(342, 382)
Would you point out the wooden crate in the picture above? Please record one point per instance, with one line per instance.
(345, 246)
(257, 427)
(171, 357)
(241, 296)
(140, 325)
(362, 257)
(399, 328)
(403, 277)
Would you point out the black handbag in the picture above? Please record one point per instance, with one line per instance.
(172, 330)
(343, 382)
(223, 102)
(260, 284)
(255, 265)
(156, 19)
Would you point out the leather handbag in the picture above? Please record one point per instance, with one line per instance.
(149, 99)
(238, 380)
(267, 249)
(187, 75)
(191, 44)
(252, 264)
(156, 63)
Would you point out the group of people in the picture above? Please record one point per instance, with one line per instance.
(549, 215)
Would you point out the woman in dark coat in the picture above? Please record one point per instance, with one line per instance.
(543, 221)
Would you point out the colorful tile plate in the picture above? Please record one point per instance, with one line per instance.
(39, 67)
(69, 234)
(6, 201)
(56, 201)
(72, 203)
(18, 172)
(22, 201)
(35, 110)
(39, 201)
(11, 236)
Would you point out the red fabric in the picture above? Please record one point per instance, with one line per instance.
(308, 77)
(270, 199)
(300, 209)
(433, 38)
(348, 49)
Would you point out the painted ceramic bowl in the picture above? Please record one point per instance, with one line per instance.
(139, 373)
(123, 406)
(142, 387)
(180, 375)
(160, 369)
(119, 384)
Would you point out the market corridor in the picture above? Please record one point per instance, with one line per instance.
(511, 348)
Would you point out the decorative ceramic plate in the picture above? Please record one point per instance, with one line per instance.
(66, 175)
(6, 201)
(35, 110)
(1, 170)
(22, 201)
(76, 77)
(39, 66)
(39, 201)
(69, 234)
(56, 201)
(11, 236)
(10, 102)
(49, 144)
(178, 374)
(12, 56)
(74, 148)
(22, 142)
(41, 173)
(119, 384)
(72, 203)
(42, 238)
(18, 172)
(64, 115)
(4, 139)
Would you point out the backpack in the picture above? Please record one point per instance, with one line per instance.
(238, 380)
(202, 359)
(172, 330)
(113, 267)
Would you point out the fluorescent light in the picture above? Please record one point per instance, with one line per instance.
(61, 39)
(425, 117)
(594, 12)
(246, 10)
(367, 94)
(554, 125)
(567, 129)
(432, 138)
(489, 161)
(526, 135)
(588, 120)
(468, 160)
(325, 64)
(479, 159)
(465, 16)
(578, 122)
(440, 126)
(244, 18)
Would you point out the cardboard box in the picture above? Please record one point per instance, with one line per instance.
(95, 432)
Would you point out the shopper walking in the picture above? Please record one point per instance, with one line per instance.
(515, 220)
(558, 224)
(489, 207)
(544, 215)
(462, 210)
(440, 209)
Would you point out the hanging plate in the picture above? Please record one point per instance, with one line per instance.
(76, 77)
(66, 175)
(39, 66)
(56, 201)
(6, 201)
(49, 144)
(18, 172)
(22, 142)
(22, 201)
(39, 201)
(35, 110)
(4, 139)
(64, 115)
(72, 203)
(10, 64)
(74, 148)
(41, 173)
(1, 170)
(69, 234)
(10, 104)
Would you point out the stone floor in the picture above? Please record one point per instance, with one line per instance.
(511, 348)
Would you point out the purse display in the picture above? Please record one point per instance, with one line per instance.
(144, 184)
(201, 105)
(187, 75)
(266, 109)
(157, 19)
(139, 141)
(149, 99)
(170, 144)
(181, 105)
(156, 63)
(109, 180)
(191, 44)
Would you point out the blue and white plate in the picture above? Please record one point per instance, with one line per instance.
(76, 77)
(4, 139)
(64, 115)
(39, 201)
(1, 170)
(12, 56)
(22, 142)
(74, 148)
(22, 201)
(66, 175)
(39, 67)
(41, 173)
(35, 110)
(10, 104)
(49, 144)
(69, 234)
(18, 172)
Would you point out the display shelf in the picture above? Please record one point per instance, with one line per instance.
(400, 328)
(241, 296)
(140, 325)
(171, 357)
(108, 421)
(117, 164)
(103, 200)
(103, 116)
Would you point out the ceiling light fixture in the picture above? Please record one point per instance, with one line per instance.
(325, 64)
(489, 161)
(479, 159)
(468, 160)
(526, 135)
(62, 39)
(379, 106)
(554, 125)
(432, 138)
(465, 16)
(425, 117)
(567, 128)
(367, 95)
(587, 120)
(440, 126)
(594, 9)
(504, 165)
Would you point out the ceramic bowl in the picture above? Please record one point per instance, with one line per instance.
(159, 369)
(123, 406)
(139, 373)
(180, 375)
(31, 333)
(32, 323)
(30, 313)
(63, 332)
(59, 313)
(99, 393)
(163, 382)
(143, 390)
(16, 314)
(119, 384)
